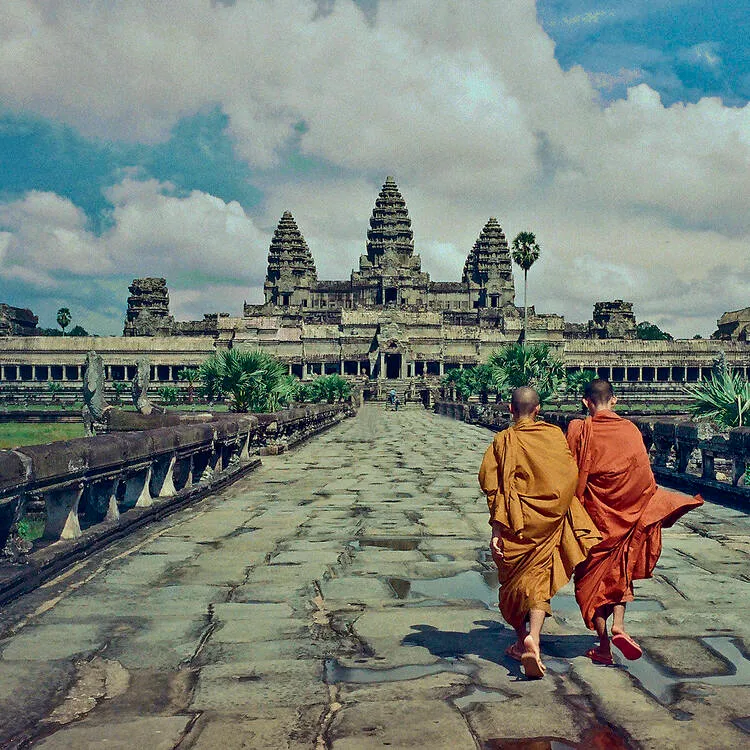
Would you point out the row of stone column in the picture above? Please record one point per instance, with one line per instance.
(106, 499)
(656, 374)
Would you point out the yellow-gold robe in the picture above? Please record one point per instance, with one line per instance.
(530, 477)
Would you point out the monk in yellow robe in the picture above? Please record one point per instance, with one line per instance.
(540, 531)
(618, 490)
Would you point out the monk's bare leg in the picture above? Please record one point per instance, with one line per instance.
(601, 654)
(515, 651)
(600, 625)
(532, 657)
(630, 649)
(618, 618)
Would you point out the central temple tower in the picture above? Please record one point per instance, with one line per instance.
(390, 273)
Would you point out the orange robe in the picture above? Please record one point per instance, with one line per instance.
(529, 477)
(617, 487)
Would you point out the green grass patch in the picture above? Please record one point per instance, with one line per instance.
(67, 406)
(31, 528)
(14, 434)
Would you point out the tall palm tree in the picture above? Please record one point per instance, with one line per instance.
(525, 254)
(63, 318)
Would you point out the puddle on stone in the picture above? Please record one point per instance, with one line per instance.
(440, 558)
(400, 544)
(478, 695)
(483, 586)
(334, 672)
(468, 585)
(599, 738)
(656, 679)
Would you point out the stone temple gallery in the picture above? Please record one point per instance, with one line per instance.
(389, 324)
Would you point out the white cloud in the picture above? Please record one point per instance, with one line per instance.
(197, 242)
(465, 105)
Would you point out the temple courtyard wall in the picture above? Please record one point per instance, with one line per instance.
(410, 354)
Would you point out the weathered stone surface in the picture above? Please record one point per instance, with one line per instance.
(365, 614)
(17, 321)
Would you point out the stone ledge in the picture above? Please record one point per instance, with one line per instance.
(45, 563)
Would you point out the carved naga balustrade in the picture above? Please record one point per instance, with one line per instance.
(87, 482)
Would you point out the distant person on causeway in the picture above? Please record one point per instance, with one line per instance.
(617, 487)
(540, 531)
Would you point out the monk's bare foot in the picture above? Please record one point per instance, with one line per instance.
(627, 646)
(599, 655)
(515, 650)
(531, 659)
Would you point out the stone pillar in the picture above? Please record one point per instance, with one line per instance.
(2, 373)
(162, 478)
(62, 513)
(341, 367)
(137, 490)
(442, 368)
(640, 374)
(381, 368)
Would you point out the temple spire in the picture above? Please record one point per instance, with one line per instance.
(288, 250)
(488, 268)
(390, 226)
(291, 268)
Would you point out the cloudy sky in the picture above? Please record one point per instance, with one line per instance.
(166, 139)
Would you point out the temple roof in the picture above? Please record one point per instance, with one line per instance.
(288, 250)
(390, 225)
(490, 257)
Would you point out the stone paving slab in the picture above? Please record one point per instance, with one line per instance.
(341, 598)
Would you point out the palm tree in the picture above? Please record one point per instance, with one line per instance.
(534, 365)
(190, 374)
(723, 398)
(576, 382)
(63, 318)
(525, 254)
(252, 381)
(328, 388)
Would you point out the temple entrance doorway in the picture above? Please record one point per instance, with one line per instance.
(393, 366)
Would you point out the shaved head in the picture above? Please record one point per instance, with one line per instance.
(599, 392)
(523, 401)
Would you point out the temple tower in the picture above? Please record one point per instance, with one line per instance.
(148, 308)
(488, 270)
(291, 269)
(390, 273)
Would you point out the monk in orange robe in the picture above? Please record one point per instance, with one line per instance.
(617, 487)
(540, 530)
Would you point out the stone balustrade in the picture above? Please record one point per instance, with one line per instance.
(87, 482)
(679, 457)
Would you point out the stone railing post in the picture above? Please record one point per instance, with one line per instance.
(686, 440)
(162, 476)
(62, 512)
(738, 447)
(663, 436)
(102, 499)
(708, 461)
(138, 489)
